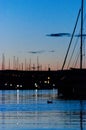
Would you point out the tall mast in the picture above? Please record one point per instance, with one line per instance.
(3, 61)
(81, 34)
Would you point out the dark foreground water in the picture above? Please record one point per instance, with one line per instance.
(29, 110)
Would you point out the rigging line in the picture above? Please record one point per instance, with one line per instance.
(78, 54)
(82, 2)
(76, 59)
(71, 39)
(84, 49)
(72, 52)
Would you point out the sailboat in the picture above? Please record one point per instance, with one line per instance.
(72, 83)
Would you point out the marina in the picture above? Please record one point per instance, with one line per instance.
(15, 79)
(70, 82)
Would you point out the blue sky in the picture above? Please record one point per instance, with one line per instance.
(25, 23)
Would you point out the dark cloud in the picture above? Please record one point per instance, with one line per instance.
(59, 34)
(36, 52)
(52, 51)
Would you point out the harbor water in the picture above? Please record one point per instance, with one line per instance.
(40, 110)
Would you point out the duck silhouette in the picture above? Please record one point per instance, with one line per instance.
(49, 101)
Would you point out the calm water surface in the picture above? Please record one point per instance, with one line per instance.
(29, 110)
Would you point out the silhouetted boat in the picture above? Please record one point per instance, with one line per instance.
(49, 101)
(72, 83)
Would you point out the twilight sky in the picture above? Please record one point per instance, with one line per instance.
(24, 25)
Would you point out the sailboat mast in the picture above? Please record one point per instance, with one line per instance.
(81, 55)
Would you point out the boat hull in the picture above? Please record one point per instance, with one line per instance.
(72, 83)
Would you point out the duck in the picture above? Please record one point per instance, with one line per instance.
(49, 101)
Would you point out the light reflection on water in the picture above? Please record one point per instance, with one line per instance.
(29, 110)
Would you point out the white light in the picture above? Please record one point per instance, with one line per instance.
(48, 77)
(10, 84)
(17, 85)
